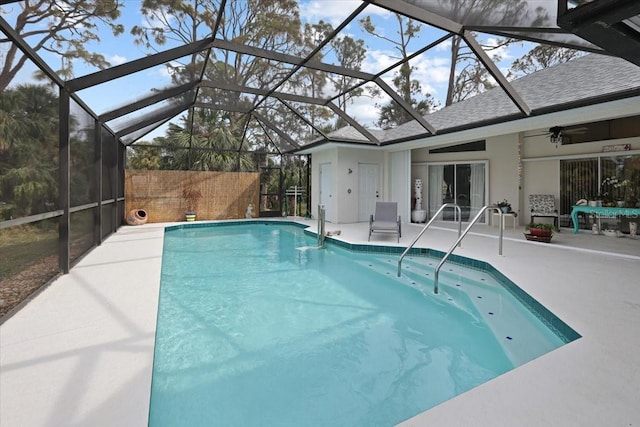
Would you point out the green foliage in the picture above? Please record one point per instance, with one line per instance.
(144, 157)
(29, 149)
(540, 57)
(29, 152)
(25, 245)
(409, 89)
(541, 226)
(64, 29)
(350, 54)
(211, 144)
(468, 76)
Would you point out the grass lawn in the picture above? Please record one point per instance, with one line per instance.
(22, 246)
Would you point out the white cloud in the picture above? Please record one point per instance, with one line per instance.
(431, 72)
(158, 19)
(444, 46)
(116, 59)
(163, 71)
(503, 51)
(378, 60)
(364, 110)
(334, 11)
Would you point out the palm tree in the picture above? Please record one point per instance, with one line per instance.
(211, 144)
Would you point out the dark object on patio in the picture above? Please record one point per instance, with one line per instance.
(534, 238)
(385, 220)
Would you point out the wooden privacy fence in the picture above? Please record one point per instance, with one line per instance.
(224, 195)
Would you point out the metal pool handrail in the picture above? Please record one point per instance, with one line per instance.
(433, 218)
(464, 233)
(320, 228)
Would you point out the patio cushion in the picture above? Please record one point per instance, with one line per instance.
(543, 206)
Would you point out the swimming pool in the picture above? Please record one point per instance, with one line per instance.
(256, 328)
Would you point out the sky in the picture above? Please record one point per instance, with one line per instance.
(431, 68)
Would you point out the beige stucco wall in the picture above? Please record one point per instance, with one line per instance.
(541, 161)
(540, 165)
(343, 159)
(352, 158)
(501, 156)
(502, 153)
(539, 174)
(327, 156)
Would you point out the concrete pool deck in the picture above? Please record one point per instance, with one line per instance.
(81, 352)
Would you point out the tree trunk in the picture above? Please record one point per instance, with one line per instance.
(455, 48)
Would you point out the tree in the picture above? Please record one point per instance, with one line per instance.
(209, 145)
(350, 54)
(144, 157)
(467, 75)
(62, 28)
(312, 82)
(392, 114)
(176, 21)
(29, 148)
(268, 24)
(542, 56)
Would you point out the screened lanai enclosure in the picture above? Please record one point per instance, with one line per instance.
(100, 94)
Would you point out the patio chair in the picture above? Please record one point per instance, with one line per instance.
(385, 220)
(543, 206)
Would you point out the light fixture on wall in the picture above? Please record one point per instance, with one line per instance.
(349, 170)
(555, 135)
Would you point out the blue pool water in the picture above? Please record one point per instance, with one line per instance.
(257, 329)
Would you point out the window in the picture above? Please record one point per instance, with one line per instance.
(461, 148)
(626, 127)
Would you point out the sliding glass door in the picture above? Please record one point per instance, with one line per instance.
(461, 183)
(614, 180)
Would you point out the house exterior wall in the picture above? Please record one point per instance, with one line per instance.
(503, 171)
(501, 156)
(400, 187)
(539, 172)
(541, 161)
(351, 158)
(343, 159)
(540, 165)
(328, 156)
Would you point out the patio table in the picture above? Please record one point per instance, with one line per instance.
(602, 211)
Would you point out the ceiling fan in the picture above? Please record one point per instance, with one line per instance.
(560, 134)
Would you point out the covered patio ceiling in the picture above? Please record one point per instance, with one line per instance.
(269, 84)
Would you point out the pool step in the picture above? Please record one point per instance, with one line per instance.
(477, 294)
(420, 271)
(418, 278)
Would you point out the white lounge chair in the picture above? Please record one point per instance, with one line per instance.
(385, 220)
